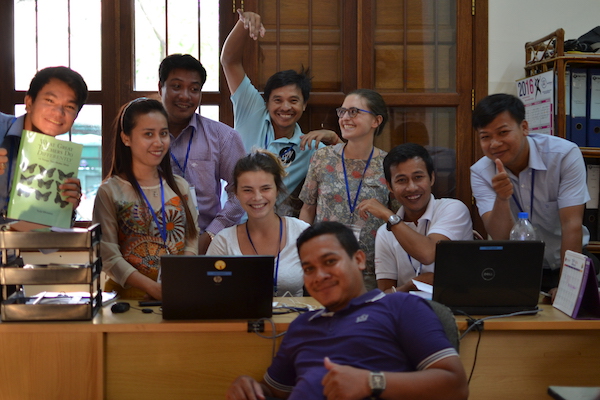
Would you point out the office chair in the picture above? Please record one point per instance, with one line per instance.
(448, 322)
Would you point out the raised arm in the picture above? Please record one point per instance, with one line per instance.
(420, 247)
(248, 26)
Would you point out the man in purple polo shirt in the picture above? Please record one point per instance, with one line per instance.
(203, 151)
(363, 344)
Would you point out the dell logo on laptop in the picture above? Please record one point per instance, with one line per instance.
(488, 274)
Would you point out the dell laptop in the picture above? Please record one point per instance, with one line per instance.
(217, 287)
(487, 277)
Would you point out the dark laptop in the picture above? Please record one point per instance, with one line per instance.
(217, 287)
(486, 277)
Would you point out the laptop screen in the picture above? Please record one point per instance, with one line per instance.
(488, 277)
(217, 287)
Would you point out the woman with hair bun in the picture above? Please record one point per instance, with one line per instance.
(258, 182)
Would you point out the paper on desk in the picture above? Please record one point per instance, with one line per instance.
(422, 286)
(425, 290)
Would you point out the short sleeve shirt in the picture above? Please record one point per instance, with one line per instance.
(252, 121)
(448, 217)
(559, 179)
(375, 332)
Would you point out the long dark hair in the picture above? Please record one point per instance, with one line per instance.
(122, 161)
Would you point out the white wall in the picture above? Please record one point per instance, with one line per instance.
(512, 23)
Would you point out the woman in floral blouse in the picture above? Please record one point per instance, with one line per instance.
(341, 176)
(144, 210)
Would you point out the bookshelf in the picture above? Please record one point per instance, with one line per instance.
(548, 54)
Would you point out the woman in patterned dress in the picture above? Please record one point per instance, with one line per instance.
(341, 176)
(144, 210)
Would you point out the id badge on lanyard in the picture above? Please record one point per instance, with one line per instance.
(194, 198)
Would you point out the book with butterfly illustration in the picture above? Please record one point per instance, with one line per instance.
(43, 163)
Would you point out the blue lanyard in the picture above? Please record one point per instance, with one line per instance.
(531, 200)
(278, 252)
(418, 270)
(352, 204)
(161, 227)
(187, 155)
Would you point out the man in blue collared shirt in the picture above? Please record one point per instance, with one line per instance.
(363, 344)
(272, 122)
(53, 101)
(540, 174)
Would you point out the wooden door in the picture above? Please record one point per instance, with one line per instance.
(428, 58)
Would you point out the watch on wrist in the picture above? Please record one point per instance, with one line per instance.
(376, 383)
(394, 219)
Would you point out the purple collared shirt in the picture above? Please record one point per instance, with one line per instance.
(215, 149)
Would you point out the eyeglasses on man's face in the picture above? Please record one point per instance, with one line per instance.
(352, 111)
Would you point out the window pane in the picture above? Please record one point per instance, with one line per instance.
(155, 38)
(25, 48)
(53, 33)
(86, 42)
(182, 27)
(209, 44)
(415, 46)
(57, 35)
(150, 42)
(310, 36)
(211, 112)
(434, 128)
(87, 130)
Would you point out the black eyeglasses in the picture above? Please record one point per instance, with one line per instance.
(352, 111)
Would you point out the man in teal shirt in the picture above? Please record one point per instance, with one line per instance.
(272, 122)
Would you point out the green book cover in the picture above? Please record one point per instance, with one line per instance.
(43, 163)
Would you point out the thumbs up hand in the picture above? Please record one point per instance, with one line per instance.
(501, 182)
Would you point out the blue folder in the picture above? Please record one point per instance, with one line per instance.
(593, 112)
(579, 106)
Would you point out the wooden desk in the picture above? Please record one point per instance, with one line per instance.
(140, 356)
(519, 357)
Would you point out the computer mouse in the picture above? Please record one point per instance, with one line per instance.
(120, 307)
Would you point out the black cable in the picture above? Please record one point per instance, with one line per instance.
(480, 321)
(272, 337)
(475, 357)
(478, 324)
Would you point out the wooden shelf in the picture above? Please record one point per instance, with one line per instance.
(590, 152)
(593, 247)
(548, 54)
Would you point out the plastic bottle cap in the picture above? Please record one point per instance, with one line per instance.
(524, 215)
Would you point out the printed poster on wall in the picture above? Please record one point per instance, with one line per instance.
(537, 93)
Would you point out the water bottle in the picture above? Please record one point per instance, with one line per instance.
(522, 230)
